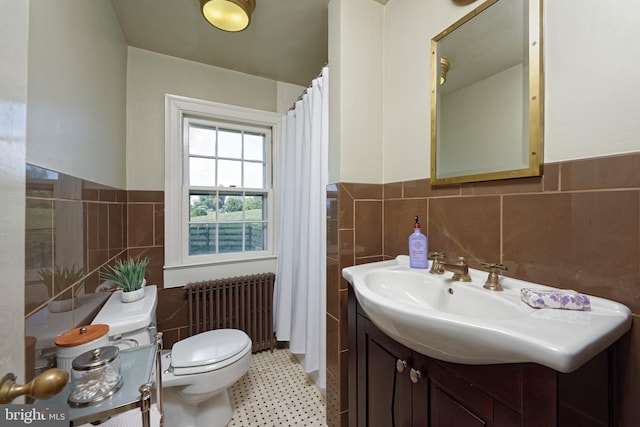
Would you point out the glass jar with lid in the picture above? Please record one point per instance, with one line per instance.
(96, 376)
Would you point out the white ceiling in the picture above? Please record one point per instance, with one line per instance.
(286, 41)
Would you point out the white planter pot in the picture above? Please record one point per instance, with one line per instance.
(60, 306)
(134, 295)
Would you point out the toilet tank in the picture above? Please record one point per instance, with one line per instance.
(132, 320)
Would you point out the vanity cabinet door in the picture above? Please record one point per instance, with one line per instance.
(449, 412)
(384, 392)
(456, 402)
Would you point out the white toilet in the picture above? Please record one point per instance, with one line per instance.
(196, 373)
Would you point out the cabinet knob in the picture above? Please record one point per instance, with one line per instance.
(415, 375)
(400, 365)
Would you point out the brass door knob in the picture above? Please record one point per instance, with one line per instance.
(44, 386)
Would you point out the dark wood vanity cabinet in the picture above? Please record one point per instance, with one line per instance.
(385, 392)
(390, 399)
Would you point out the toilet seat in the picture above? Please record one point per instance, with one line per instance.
(208, 351)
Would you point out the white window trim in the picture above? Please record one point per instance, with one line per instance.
(176, 107)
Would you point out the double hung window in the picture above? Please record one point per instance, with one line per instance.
(219, 191)
(228, 187)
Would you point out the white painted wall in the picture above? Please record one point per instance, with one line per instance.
(333, 159)
(490, 100)
(77, 90)
(14, 28)
(409, 27)
(288, 93)
(592, 80)
(150, 76)
(355, 91)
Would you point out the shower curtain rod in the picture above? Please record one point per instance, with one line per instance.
(307, 88)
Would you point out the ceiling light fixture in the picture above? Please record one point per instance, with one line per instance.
(444, 69)
(228, 15)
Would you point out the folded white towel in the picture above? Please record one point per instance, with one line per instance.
(564, 299)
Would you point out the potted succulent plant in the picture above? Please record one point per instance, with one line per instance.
(129, 276)
(62, 284)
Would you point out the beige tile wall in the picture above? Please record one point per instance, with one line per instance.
(576, 227)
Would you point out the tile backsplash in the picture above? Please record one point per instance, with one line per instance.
(577, 227)
(73, 230)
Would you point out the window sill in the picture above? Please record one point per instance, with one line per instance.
(178, 275)
(223, 261)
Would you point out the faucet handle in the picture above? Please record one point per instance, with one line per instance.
(493, 267)
(436, 265)
(493, 280)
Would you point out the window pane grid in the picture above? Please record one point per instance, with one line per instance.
(228, 187)
(227, 222)
(220, 157)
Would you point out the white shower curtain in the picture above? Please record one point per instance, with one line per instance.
(300, 288)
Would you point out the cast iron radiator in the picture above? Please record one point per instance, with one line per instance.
(244, 303)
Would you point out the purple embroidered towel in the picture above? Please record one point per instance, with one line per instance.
(564, 299)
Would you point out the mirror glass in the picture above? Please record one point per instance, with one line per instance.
(72, 228)
(486, 100)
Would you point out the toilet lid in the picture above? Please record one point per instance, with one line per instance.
(208, 347)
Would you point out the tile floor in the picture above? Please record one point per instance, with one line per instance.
(275, 392)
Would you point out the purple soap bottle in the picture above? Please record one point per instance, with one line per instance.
(418, 248)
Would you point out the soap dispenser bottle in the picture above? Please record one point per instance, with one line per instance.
(418, 248)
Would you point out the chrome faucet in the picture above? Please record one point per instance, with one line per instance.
(460, 270)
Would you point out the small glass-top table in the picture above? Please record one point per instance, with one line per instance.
(137, 368)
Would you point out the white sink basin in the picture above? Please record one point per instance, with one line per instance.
(463, 323)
